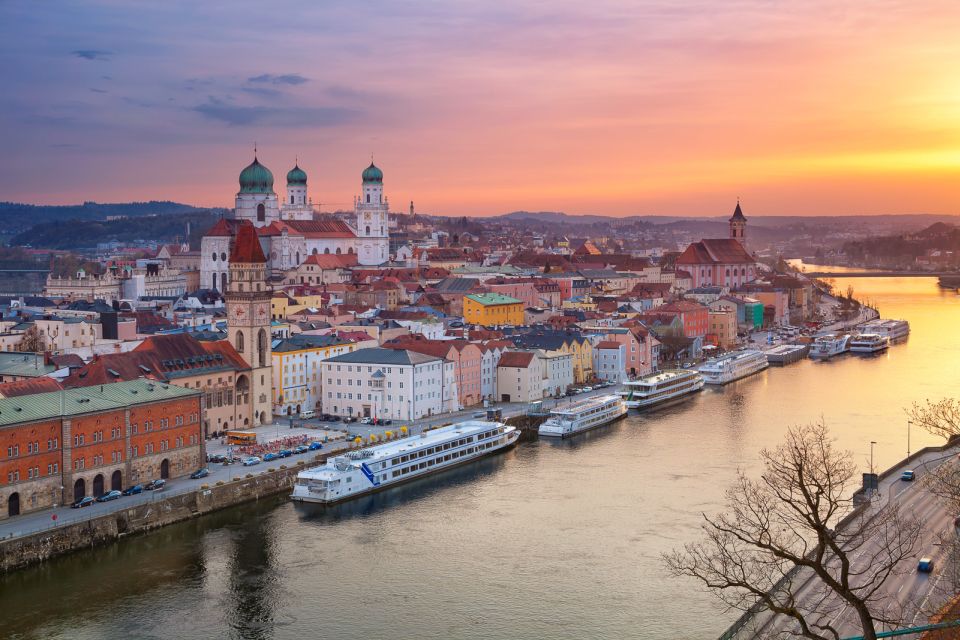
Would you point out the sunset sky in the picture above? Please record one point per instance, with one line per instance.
(485, 107)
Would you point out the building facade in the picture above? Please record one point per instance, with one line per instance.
(489, 309)
(297, 363)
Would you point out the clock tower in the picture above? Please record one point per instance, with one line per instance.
(373, 238)
(248, 326)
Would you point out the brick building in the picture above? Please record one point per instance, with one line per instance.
(61, 446)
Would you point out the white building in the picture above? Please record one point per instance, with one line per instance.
(388, 383)
(520, 377)
(557, 369)
(610, 361)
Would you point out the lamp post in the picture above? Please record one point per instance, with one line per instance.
(909, 424)
(872, 442)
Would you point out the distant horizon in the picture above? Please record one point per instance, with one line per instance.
(612, 107)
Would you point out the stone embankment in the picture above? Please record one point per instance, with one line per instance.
(20, 552)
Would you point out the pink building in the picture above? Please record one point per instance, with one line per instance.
(723, 262)
(467, 359)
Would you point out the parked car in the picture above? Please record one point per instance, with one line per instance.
(284, 453)
(252, 460)
(216, 458)
(155, 485)
(366, 420)
(301, 448)
(908, 475)
(314, 446)
(307, 414)
(109, 495)
(85, 501)
(135, 489)
(199, 473)
(587, 389)
(925, 565)
(270, 457)
(387, 422)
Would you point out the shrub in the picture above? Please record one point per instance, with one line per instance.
(219, 483)
(204, 486)
(249, 475)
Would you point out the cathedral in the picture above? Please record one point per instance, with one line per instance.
(290, 231)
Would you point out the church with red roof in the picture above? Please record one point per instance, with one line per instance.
(723, 262)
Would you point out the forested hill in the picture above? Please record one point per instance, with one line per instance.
(17, 217)
(77, 233)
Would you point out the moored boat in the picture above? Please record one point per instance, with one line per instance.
(663, 386)
(829, 345)
(582, 416)
(892, 329)
(869, 343)
(363, 471)
(733, 366)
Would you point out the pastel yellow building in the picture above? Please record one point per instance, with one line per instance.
(492, 309)
(296, 368)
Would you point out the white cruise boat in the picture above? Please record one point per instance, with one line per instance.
(363, 471)
(869, 343)
(830, 345)
(656, 388)
(733, 366)
(892, 329)
(583, 415)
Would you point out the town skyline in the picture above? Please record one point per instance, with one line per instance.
(612, 109)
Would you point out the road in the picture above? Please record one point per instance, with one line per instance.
(907, 595)
(44, 519)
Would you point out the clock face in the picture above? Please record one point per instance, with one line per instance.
(262, 312)
(239, 313)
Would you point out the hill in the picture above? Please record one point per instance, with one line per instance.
(76, 233)
(16, 217)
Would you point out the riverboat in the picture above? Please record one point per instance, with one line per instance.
(733, 366)
(869, 343)
(892, 329)
(787, 353)
(830, 345)
(657, 388)
(582, 416)
(949, 281)
(364, 471)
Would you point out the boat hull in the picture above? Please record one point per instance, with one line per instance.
(641, 405)
(561, 435)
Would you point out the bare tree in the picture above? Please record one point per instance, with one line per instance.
(32, 341)
(941, 418)
(779, 548)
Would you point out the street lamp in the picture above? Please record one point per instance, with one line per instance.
(909, 424)
(872, 442)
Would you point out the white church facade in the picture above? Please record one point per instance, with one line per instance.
(290, 230)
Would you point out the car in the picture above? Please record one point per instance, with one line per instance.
(86, 501)
(366, 420)
(155, 485)
(216, 458)
(314, 446)
(270, 457)
(387, 422)
(300, 448)
(109, 495)
(199, 473)
(307, 414)
(925, 565)
(908, 475)
(252, 460)
(284, 453)
(135, 489)
(587, 389)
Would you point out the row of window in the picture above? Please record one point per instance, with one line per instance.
(440, 459)
(13, 451)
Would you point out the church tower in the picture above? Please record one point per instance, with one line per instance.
(297, 206)
(256, 200)
(248, 326)
(373, 238)
(738, 226)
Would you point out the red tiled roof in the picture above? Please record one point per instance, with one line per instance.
(28, 387)
(246, 247)
(519, 359)
(332, 260)
(221, 228)
(309, 228)
(607, 344)
(715, 251)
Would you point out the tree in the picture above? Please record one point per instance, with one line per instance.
(32, 341)
(781, 531)
(941, 418)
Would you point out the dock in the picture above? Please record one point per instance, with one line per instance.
(787, 354)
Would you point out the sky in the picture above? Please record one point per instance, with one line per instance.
(481, 107)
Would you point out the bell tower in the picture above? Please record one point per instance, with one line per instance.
(738, 226)
(248, 326)
(372, 209)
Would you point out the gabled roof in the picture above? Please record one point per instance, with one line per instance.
(309, 228)
(517, 359)
(715, 251)
(379, 355)
(221, 228)
(246, 248)
(332, 260)
(28, 386)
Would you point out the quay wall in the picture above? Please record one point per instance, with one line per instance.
(18, 553)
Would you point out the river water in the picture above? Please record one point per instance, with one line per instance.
(549, 540)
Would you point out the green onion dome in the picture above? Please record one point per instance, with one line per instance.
(256, 178)
(372, 174)
(297, 176)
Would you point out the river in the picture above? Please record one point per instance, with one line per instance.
(549, 540)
